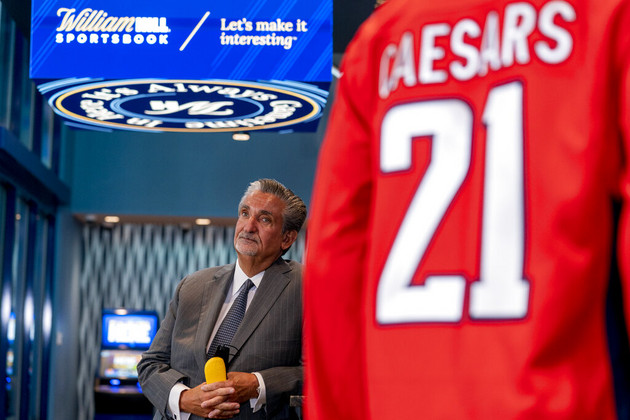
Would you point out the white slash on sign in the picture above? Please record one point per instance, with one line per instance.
(203, 19)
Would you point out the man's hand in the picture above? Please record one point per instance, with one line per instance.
(245, 386)
(210, 400)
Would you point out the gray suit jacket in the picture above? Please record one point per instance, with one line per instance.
(268, 341)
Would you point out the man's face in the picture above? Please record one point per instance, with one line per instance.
(259, 227)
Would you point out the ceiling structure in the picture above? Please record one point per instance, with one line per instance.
(94, 148)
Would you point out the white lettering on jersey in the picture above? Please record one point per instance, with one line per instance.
(472, 59)
(500, 46)
(564, 42)
(429, 53)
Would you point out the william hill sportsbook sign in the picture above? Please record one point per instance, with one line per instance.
(187, 65)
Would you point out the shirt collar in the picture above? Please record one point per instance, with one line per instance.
(240, 277)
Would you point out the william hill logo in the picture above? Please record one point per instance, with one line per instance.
(187, 105)
(90, 26)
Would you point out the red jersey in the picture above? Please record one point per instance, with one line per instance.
(461, 227)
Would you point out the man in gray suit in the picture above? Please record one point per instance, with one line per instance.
(264, 364)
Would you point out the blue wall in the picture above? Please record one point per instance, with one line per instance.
(198, 174)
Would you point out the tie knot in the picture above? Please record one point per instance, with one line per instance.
(246, 286)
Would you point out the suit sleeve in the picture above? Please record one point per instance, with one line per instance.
(155, 374)
(281, 383)
(286, 379)
(336, 252)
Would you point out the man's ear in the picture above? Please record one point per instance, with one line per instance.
(288, 238)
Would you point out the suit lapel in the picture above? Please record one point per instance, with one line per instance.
(273, 283)
(214, 294)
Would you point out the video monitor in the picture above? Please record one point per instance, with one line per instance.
(126, 329)
(119, 364)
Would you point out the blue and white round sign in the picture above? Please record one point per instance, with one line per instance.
(161, 105)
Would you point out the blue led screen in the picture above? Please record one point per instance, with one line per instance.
(193, 39)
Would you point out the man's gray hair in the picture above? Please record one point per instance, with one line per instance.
(295, 209)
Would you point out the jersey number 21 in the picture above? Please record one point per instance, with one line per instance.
(501, 292)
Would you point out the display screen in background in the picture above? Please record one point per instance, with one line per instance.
(119, 364)
(128, 331)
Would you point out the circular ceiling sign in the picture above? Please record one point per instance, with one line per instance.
(189, 105)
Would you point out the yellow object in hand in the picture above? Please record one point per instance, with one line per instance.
(215, 370)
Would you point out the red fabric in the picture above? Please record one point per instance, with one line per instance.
(549, 361)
